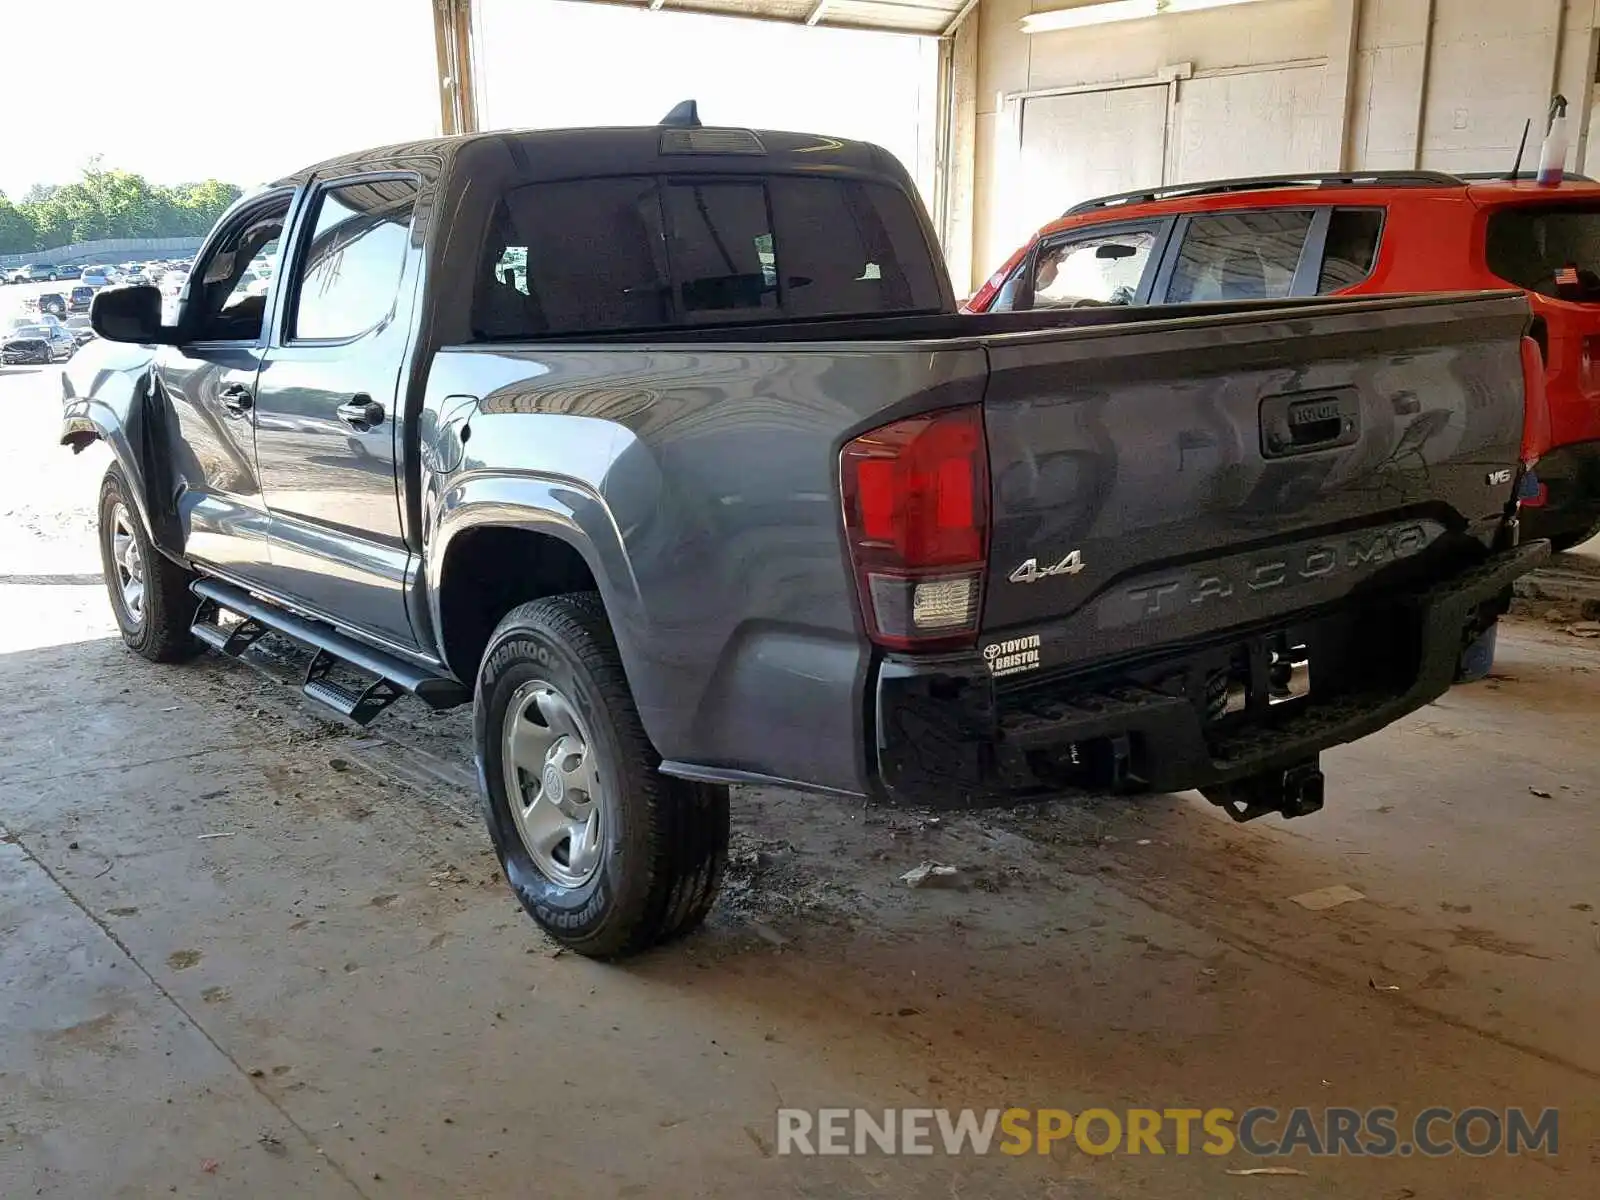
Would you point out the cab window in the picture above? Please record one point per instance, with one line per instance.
(222, 306)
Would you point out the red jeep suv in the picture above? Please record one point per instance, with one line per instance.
(1360, 234)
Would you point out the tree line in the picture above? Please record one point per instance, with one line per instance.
(109, 204)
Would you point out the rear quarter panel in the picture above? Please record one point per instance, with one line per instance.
(701, 486)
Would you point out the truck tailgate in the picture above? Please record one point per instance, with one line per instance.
(1162, 480)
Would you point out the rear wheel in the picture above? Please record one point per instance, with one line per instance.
(608, 855)
(149, 592)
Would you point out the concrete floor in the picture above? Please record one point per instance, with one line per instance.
(338, 997)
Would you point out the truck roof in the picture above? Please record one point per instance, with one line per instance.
(533, 155)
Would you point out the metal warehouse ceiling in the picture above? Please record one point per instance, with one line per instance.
(935, 17)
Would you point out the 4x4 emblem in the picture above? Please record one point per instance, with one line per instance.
(1032, 572)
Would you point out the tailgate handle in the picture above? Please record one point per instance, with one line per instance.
(1305, 422)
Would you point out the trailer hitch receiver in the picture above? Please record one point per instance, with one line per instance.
(1291, 792)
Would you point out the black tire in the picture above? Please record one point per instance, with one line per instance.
(666, 840)
(161, 631)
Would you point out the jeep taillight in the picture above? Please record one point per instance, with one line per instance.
(916, 515)
(1535, 404)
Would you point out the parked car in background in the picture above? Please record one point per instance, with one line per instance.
(81, 328)
(669, 450)
(53, 303)
(1351, 235)
(98, 276)
(79, 298)
(31, 340)
(37, 273)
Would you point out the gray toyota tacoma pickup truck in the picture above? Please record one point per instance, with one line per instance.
(667, 449)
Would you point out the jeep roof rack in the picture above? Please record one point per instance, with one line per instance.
(1309, 179)
(1520, 177)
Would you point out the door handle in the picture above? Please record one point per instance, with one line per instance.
(236, 398)
(361, 412)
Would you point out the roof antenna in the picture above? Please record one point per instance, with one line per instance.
(1516, 167)
(684, 115)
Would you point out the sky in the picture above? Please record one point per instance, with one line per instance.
(246, 90)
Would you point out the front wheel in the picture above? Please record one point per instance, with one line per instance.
(149, 592)
(608, 855)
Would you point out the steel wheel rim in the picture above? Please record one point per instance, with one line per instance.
(129, 563)
(555, 795)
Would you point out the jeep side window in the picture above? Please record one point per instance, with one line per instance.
(1239, 256)
(1352, 248)
(1102, 266)
(1091, 271)
(223, 307)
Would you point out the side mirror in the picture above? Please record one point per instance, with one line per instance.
(1115, 250)
(129, 314)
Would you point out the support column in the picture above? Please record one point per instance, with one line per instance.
(955, 162)
(458, 77)
(1344, 21)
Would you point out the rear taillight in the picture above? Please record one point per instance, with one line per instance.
(916, 516)
(1535, 405)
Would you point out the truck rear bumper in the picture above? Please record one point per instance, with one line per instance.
(948, 734)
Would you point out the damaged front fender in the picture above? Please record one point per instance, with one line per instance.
(117, 405)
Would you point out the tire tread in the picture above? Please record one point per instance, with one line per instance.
(164, 636)
(686, 824)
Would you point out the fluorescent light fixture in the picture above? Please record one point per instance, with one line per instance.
(1112, 11)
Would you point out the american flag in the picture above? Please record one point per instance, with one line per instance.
(1567, 277)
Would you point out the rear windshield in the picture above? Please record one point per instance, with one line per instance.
(1550, 250)
(636, 252)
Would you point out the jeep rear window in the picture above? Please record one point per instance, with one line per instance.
(1528, 246)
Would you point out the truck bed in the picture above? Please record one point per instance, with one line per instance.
(1135, 439)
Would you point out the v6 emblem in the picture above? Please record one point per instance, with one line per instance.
(1032, 572)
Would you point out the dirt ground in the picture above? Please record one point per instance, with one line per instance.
(248, 951)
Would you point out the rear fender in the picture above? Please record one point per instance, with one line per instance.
(563, 508)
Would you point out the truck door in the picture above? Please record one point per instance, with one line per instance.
(207, 385)
(328, 406)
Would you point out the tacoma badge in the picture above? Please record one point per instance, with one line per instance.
(1032, 572)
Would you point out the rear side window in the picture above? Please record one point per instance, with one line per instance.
(1530, 246)
(1239, 256)
(348, 273)
(622, 253)
(1352, 248)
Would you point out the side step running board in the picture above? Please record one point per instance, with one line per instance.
(395, 675)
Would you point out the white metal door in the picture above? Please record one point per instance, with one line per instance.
(1087, 144)
(1253, 123)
